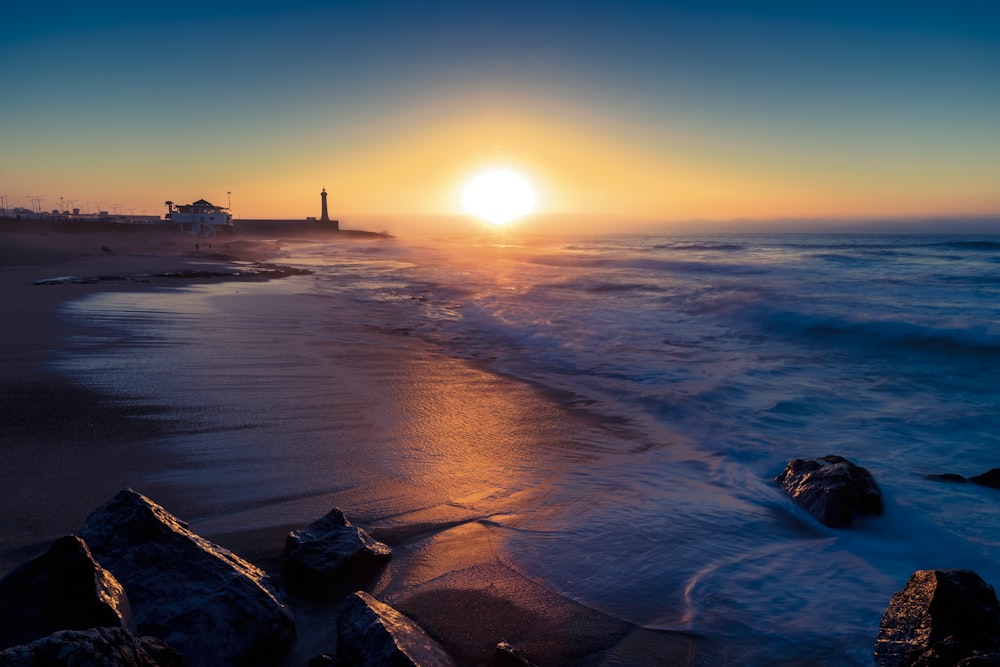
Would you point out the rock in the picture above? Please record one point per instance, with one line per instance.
(941, 617)
(990, 478)
(330, 548)
(832, 489)
(96, 647)
(210, 605)
(323, 660)
(506, 655)
(63, 589)
(65, 280)
(947, 477)
(372, 633)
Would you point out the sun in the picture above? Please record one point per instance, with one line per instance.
(498, 196)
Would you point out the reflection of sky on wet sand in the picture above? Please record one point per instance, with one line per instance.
(281, 410)
(286, 412)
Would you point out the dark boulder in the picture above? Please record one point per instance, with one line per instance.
(947, 477)
(506, 655)
(63, 589)
(330, 548)
(96, 647)
(832, 489)
(990, 478)
(372, 633)
(941, 617)
(212, 606)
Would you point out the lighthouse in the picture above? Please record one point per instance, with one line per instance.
(325, 217)
(325, 214)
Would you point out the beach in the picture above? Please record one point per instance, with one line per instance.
(433, 455)
(570, 444)
(65, 448)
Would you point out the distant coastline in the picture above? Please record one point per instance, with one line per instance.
(296, 227)
(240, 227)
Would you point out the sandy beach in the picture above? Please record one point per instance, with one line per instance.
(428, 453)
(66, 448)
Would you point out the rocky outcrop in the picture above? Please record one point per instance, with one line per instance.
(941, 617)
(946, 477)
(96, 647)
(257, 271)
(506, 655)
(832, 489)
(990, 478)
(63, 589)
(212, 606)
(372, 633)
(330, 548)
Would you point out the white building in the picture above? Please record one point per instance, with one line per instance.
(201, 218)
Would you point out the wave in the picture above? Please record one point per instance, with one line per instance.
(700, 247)
(859, 245)
(978, 244)
(603, 287)
(835, 257)
(646, 264)
(981, 279)
(886, 332)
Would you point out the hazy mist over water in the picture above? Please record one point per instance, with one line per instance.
(721, 357)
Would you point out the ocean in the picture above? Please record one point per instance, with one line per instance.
(712, 360)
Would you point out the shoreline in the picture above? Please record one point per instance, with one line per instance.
(55, 431)
(446, 562)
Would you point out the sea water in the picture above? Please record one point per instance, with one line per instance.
(726, 356)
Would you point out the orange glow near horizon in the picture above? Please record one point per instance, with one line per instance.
(405, 171)
(419, 172)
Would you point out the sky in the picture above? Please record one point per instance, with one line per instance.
(624, 115)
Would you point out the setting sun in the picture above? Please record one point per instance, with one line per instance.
(498, 196)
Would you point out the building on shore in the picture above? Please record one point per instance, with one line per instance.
(201, 218)
(76, 216)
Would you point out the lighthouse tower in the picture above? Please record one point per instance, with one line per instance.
(325, 217)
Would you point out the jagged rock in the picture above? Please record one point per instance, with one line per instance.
(947, 477)
(941, 617)
(64, 280)
(506, 655)
(63, 589)
(211, 606)
(990, 478)
(96, 647)
(370, 632)
(329, 548)
(832, 489)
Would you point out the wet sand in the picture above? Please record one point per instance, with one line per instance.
(430, 454)
(65, 449)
